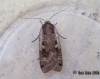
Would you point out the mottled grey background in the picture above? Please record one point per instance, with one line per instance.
(18, 55)
(11, 10)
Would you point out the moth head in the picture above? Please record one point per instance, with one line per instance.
(47, 21)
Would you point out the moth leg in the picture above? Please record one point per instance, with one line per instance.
(62, 36)
(56, 23)
(41, 22)
(43, 59)
(38, 58)
(36, 38)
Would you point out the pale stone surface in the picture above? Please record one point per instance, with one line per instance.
(18, 55)
(11, 10)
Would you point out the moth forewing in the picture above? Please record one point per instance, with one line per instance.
(50, 51)
(59, 64)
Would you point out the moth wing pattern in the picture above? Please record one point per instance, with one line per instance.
(52, 59)
(59, 64)
(44, 63)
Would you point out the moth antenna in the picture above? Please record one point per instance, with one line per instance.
(34, 18)
(40, 19)
(35, 39)
(57, 13)
(41, 22)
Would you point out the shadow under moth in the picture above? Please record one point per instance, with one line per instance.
(50, 54)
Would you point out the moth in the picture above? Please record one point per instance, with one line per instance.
(50, 54)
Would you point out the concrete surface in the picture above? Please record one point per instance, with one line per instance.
(18, 55)
(11, 10)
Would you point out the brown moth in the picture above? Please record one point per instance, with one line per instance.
(50, 54)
